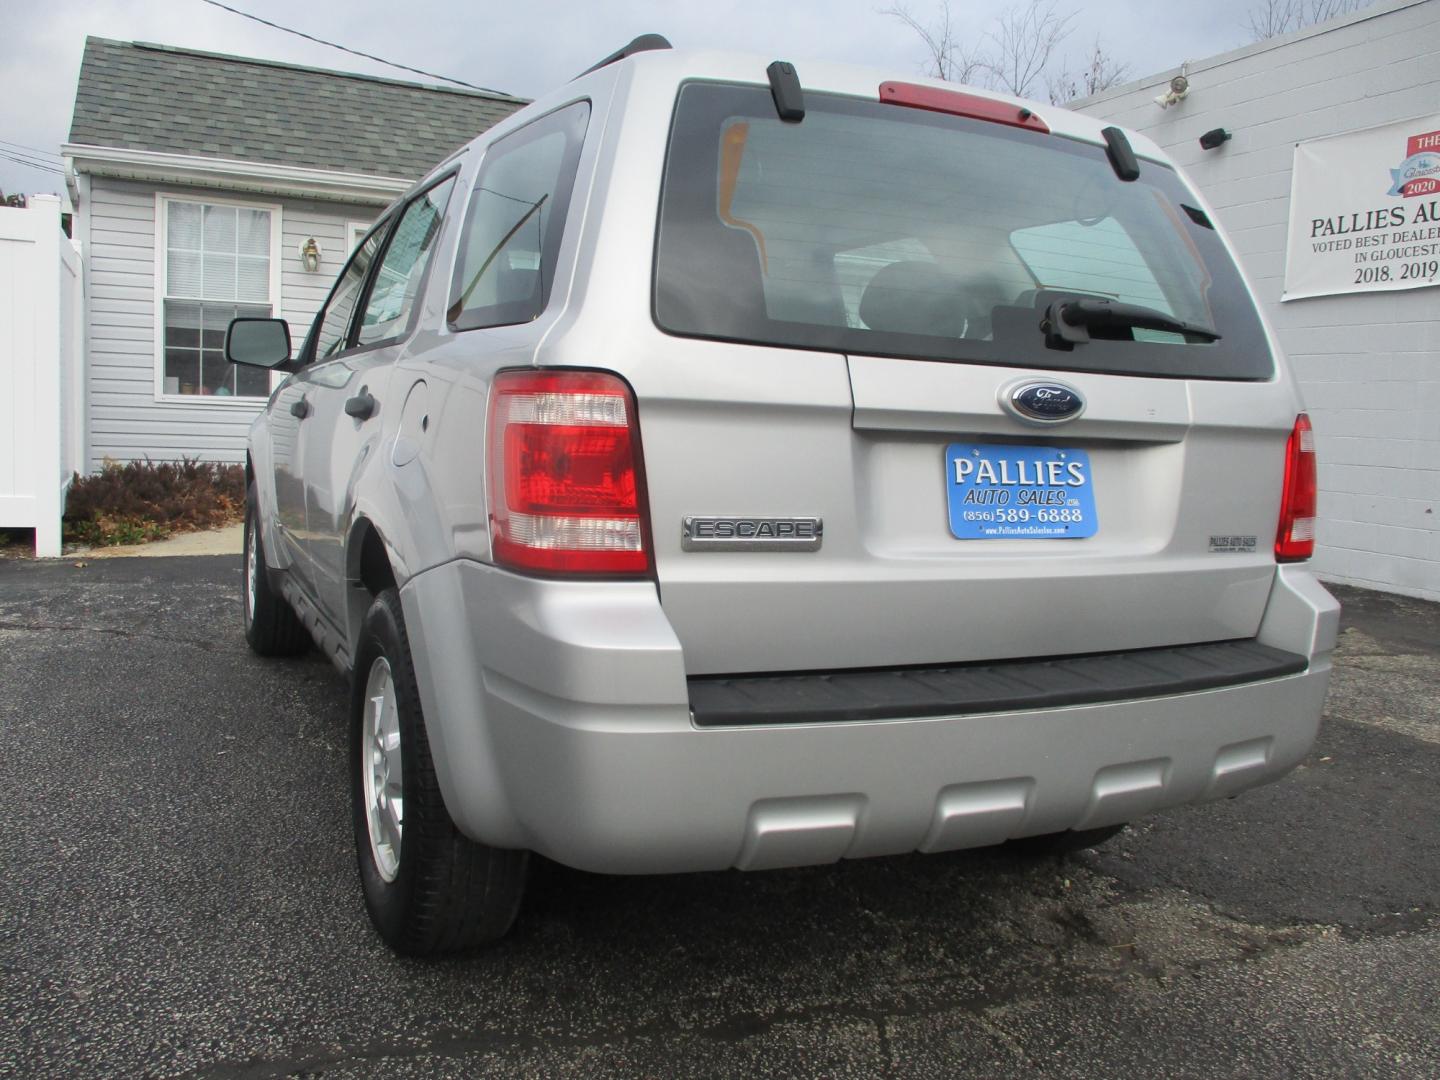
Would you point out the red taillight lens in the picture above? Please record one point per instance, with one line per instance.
(1296, 539)
(564, 469)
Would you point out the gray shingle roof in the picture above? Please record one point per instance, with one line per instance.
(138, 96)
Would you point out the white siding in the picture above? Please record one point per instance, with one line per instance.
(1368, 365)
(126, 421)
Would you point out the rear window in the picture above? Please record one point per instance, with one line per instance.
(891, 231)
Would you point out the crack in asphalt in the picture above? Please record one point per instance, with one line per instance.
(114, 631)
(882, 1038)
(1251, 944)
(735, 1028)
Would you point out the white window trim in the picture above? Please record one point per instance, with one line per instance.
(162, 276)
(355, 231)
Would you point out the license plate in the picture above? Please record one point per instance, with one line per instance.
(1019, 492)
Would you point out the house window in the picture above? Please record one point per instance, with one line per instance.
(218, 262)
(356, 231)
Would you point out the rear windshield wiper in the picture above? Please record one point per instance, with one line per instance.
(1068, 323)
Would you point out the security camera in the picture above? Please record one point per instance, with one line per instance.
(1179, 87)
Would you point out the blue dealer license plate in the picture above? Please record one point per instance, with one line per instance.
(1019, 492)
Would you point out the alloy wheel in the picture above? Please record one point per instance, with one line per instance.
(380, 766)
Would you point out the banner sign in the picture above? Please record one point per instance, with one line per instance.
(1365, 211)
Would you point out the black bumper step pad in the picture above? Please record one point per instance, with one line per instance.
(993, 686)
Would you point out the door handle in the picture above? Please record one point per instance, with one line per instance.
(300, 409)
(361, 406)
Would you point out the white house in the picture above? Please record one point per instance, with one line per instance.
(207, 186)
(1368, 361)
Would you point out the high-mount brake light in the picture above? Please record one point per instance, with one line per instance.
(959, 103)
(1295, 540)
(565, 484)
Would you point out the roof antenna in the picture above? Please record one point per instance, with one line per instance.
(785, 89)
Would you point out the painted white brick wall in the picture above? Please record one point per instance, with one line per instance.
(1368, 365)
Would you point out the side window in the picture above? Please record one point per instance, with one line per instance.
(333, 327)
(402, 269)
(512, 230)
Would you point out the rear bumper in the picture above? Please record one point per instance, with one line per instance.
(559, 720)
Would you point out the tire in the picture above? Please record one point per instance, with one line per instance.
(429, 890)
(271, 626)
(1064, 843)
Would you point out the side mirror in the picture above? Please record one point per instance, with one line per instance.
(262, 343)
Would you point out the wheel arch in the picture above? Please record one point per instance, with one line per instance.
(370, 568)
(260, 476)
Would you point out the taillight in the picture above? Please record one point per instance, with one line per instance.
(959, 103)
(1296, 539)
(564, 469)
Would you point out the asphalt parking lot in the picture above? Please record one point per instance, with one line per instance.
(179, 898)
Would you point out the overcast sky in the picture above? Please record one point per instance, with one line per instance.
(529, 47)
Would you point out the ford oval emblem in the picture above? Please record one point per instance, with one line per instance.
(1046, 402)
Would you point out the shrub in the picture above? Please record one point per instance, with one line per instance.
(148, 500)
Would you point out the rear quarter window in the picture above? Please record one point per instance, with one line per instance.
(515, 221)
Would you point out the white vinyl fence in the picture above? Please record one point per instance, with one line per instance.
(42, 392)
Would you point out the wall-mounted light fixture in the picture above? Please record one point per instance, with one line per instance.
(1179, 87)
(310, 255)
(1214, 139)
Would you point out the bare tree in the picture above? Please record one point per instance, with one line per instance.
(948, 58)
(1271, 18)
(1101, 72)
(1024, 40)
(1016, 54)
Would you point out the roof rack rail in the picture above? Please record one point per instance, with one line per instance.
(643, 43)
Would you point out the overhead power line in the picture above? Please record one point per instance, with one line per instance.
(32, 164)
(352, 52)
(31, 149)
(30, 159)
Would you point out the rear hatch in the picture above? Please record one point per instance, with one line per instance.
(857, 309)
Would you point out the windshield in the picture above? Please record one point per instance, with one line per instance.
(872, 228)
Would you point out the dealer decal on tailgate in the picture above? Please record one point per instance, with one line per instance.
(1019, 492)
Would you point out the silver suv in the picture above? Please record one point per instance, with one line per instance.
(715, 465)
